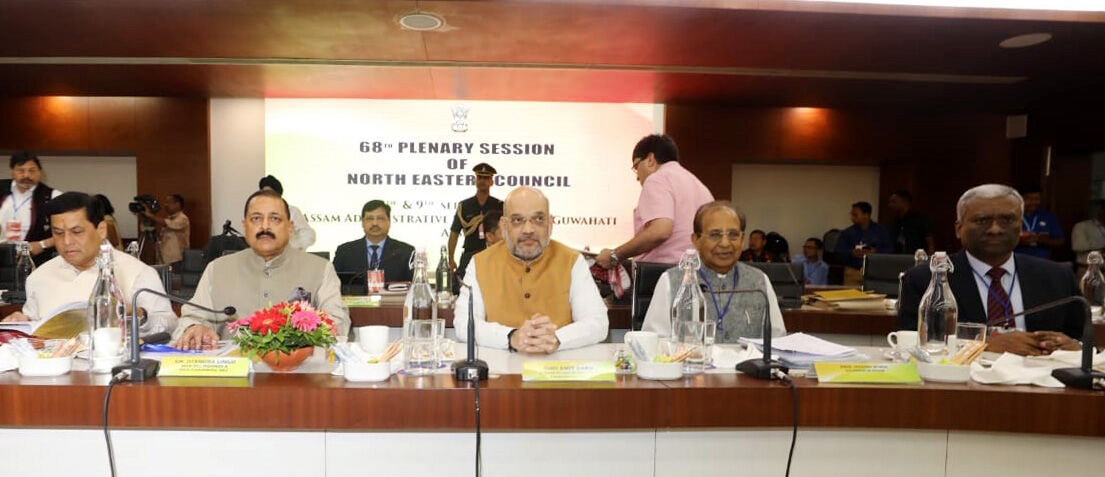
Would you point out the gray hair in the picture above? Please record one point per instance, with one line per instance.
(986, 191)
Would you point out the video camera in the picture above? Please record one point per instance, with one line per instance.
(144, 202)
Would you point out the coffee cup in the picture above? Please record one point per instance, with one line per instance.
(902, 339)
(372, 339)
(648, 340)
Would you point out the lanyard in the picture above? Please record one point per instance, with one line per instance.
(1007, 306)
(1035, 220)
(717, 308)
(15, 208)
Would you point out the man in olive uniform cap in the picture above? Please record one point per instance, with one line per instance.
(469, 218)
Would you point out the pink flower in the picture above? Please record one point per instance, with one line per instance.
(305, 320)
(233, 325)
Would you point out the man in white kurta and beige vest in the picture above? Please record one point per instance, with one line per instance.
(77, 229)
(266, 273)
(531, 294)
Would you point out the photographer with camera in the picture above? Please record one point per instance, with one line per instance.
(175, 227)
(23, 207)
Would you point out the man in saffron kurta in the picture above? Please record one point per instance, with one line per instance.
(531, 294)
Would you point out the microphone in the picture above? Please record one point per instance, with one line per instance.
(138, 369)
(470, 368)
(1083, 377)
(765, 367)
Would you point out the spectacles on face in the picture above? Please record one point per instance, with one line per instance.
(518, 221)
(985, 221)
(715, 235)
(370, 219)
(636, 162)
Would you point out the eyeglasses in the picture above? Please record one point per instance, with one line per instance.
(636, 162)
(369, 218)
(518, 220)
(716, 235)
(988, 220)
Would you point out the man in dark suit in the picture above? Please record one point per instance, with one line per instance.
(375, 251)
(990, 282)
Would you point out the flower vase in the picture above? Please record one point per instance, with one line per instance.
(282, 362)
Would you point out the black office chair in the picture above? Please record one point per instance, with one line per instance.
(191, 269)
(788, 280)
(7, 266)
(645, 275)
(881, 270)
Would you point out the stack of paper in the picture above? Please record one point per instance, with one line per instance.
(800, 350)
(849, 299)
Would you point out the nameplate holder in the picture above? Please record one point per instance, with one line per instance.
(552, 371)
(867, 373)
(205, 366)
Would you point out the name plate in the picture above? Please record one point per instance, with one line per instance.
(205, 366)
(361, 301)
(547, 371)
(867, 373)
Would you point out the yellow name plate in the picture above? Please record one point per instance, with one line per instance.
(204, 366)
(545, 371)
(867, 373)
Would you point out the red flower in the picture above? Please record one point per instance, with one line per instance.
(267, 321)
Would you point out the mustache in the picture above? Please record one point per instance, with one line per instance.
(265, 233)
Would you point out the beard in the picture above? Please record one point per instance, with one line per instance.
(526, 255)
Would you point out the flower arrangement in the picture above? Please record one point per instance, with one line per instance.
(283, 327)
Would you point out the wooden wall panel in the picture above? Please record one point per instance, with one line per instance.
(168, 136)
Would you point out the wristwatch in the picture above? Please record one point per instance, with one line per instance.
(614, 257)
(509, 343)
(42, 244)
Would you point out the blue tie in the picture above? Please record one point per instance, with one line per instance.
(375, 262)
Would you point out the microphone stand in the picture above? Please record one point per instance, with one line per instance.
(1083, 377)
(765, 367)
(470, 368)
(138, 369)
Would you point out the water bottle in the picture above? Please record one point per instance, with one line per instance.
(107, 344)
(24, 265)
(422, 330)
(937, 314)
(688, 315)
(1093, 282)
(444, 278)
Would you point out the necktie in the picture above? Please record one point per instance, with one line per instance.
(375, 262)
(998, 304)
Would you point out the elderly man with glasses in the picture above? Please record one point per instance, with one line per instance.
(530, 294)
(718, 237)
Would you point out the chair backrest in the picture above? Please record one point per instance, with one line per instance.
(788, 280)
(325, 255)
(7, 266)
(165, 272)
(880, 272)
(645, 276)
(193, 261)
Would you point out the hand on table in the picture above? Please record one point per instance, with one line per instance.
(536, 336)
(1053, 340)
(197, 337)
(1017, 342)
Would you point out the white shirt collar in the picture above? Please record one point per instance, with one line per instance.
(16, 192)
(982, 268)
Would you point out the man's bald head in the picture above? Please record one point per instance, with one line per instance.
(527, 222)
(525, 198)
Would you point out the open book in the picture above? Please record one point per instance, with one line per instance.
(64, 322)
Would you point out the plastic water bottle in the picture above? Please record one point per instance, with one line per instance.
(938, 313)
(24, 265)
(444, 278)
(688, 314)
(108, 341)
(1093, 282)
(422, 330)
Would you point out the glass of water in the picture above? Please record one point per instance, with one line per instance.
(422, 353)
(691, 345)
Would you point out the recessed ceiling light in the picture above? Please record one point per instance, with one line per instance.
(420, 21)
(1021, 41)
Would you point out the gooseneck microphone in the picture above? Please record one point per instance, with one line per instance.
(470, 368)
(1083, 377)
(138, 369)
(765, 367)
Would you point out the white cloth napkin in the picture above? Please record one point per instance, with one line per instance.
(726, 358)
(8, 361)
(1010, 369)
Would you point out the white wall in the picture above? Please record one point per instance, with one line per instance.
(237, 156)
(801, 201)
(113, 176)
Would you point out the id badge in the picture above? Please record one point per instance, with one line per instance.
(481, 231)
(12, 230)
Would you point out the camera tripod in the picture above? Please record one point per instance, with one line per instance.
(147, 234)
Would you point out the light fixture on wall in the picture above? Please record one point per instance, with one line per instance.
(1022, 41)
(420, 21)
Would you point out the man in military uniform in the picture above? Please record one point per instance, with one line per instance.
(469, 218)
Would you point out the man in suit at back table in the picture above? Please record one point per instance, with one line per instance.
(990, 282)
(376, 250)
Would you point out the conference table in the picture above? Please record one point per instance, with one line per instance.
(314, 423)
